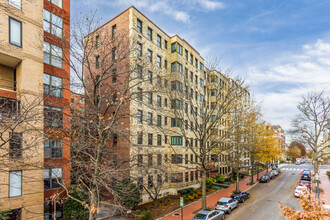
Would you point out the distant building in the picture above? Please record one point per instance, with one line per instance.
(280, 136)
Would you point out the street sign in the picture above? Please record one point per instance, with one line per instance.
(181, 201)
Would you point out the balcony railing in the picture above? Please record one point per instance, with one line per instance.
(7, 84)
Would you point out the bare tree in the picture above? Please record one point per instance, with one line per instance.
(310, 123)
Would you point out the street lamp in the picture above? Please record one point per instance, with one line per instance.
(317, 178)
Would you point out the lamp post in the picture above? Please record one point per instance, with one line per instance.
(317, 178)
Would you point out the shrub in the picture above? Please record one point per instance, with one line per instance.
(195, 195)
(191, 198)
(220, 178)
(199, 193)
(209, 182)
(73, 209)
(146, 215)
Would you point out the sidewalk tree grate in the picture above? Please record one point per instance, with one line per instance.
(176, 214)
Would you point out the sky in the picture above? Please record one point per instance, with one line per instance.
(281, 47)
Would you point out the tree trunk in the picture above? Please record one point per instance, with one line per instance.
(203, 189)
(258, 171)
(237, 180)
(316, 161)
(252, 172)
(93, 202)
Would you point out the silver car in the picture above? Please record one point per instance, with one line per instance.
(209, 214)
(226, 204)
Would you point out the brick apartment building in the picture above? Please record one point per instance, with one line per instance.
(153, 145)
(34, 85)
(280, 136)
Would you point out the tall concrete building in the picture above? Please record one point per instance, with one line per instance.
(34, 95)
(170, 75)
(280, 136)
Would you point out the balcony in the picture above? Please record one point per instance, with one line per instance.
(9, 85)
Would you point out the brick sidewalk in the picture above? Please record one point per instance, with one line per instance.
(325, 185)
(188, 211)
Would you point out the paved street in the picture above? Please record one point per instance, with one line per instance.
(303, 166)
(263, 203)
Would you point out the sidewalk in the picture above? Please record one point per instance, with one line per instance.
(325, 185)
(188, 211)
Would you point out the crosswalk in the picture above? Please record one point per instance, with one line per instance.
(294, 169)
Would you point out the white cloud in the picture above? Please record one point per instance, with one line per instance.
(281, 82)
(211, 5)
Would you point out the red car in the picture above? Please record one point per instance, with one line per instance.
(305, 183)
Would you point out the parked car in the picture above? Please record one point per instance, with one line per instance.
(264, 179)
(209, 215)
(305, 183)
(306, 176)
(274, 172)
(226, 204)
(306, 171)
(297, 163)
(240, 196)
(278, 170)
(271, 176)
(300, 190)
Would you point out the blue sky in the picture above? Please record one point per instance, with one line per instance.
(282, 47)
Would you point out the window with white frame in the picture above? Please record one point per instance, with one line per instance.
(52, 178)
(52, 55)
(15, 32)
(53, 149)
(53, 24)
(15, 3)
(58, 3)
(15, 183)
(53, 85)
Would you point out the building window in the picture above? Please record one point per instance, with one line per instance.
(49, 209)
(114, 31)
(150, 181)
(149, 160)
(140, 138)
(115, 140)
(150, 56)
(150, 98)
(52, 55)
(149, 118)
(176, 122)
(176, 47)
(201, 67)
(165, 101)
(139, 72)
(53, 24)
(140, 159)
(165, 64)
(53, 85)
(176, 67)
(15, 32)
(139, 116)
(150, 77)
(159, 180)
(97, 61)
(15, 183)
(139, 49)
(186, 54)
(159, 101)
(53, 116)
(159, 120)
(165, 44)
(140, 183)
(57, 3)
(15, 3)
(149, 139)
(52, 178)
(176, 104)
(176, 140)
(177, 178)
(159, 41)
(159, 140)
(201, 83)
(139, 94)
(53, 149)
(97, 41)
(191, 59)
(15, 145)
(165, 139)
(114, 53)
(139, 25)
(149, 33)
(214, 92)
(114, 75)
(159, 61)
